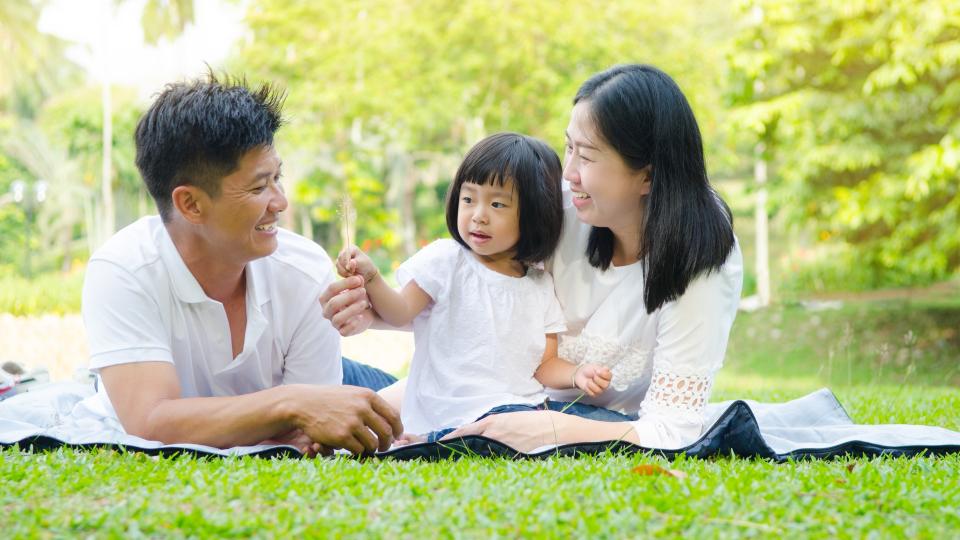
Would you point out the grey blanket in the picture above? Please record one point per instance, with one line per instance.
(814, 426)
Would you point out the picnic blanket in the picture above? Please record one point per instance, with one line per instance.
(813, 426)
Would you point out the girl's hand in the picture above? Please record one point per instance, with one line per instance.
(301, 442)
(351, 261)
(592, 379)
(409, 438)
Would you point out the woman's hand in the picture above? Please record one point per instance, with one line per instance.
(523, 431)
(346, 306)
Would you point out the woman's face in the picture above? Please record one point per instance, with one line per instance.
(606, 192)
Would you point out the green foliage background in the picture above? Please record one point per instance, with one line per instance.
(855, 104)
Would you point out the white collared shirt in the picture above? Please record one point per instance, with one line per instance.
(141, 303)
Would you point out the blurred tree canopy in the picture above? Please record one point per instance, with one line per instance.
(385, 96)
(858, 106)
(855, 104)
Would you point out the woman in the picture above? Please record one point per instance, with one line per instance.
(648, 271)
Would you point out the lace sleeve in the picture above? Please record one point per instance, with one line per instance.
(672, 393)
(671, 415)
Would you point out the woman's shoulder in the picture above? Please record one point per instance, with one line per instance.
(722, 285)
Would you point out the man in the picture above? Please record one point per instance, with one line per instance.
(203, 322)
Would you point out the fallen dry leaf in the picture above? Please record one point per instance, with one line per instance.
(656, 470)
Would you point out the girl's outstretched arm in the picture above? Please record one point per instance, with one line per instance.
(396, 308)
(555, 372)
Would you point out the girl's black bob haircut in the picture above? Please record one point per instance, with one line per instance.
(688, 229)
(535, 171)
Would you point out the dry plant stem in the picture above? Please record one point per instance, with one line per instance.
(347, 215)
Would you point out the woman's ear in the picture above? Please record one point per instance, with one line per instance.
(645, 176)
(191, 202)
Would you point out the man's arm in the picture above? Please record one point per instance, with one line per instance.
(146, 396)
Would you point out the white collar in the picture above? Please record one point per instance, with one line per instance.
(188, 289)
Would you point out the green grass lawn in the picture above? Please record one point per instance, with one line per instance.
(888, 362)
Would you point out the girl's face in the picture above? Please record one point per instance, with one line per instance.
(488, 220)
(606, 191)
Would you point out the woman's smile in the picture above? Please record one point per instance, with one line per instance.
(580, 199)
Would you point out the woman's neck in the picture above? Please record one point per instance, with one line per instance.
(626, 246)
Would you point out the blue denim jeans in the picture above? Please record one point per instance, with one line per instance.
(357, 374)
(582, 410)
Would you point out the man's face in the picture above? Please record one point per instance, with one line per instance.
(243, 219)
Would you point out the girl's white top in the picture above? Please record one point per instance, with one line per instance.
(664, 362)
(479, 342)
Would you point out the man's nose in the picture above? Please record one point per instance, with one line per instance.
(278, 203)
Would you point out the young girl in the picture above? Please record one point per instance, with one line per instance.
(485, 318)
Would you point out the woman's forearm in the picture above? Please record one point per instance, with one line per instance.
(574, 429)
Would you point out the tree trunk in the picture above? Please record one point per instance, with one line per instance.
(760, 216)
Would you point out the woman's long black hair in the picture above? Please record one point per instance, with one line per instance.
(687, 229)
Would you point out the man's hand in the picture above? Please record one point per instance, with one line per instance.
(346, 306)
(349, 417)
(592, 379)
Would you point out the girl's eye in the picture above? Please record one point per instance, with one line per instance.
(467, 200)
(499, 205)
(581, 156)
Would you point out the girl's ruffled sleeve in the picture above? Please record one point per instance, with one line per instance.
(431, 267)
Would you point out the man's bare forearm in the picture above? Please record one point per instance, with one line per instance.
(222, 421)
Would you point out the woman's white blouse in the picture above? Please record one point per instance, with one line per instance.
(663, 363)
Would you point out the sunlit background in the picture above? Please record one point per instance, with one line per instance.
(832, 127)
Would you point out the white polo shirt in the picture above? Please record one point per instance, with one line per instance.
(141, 303)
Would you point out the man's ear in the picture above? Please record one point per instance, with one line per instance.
(191, 202)
(646, 180)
